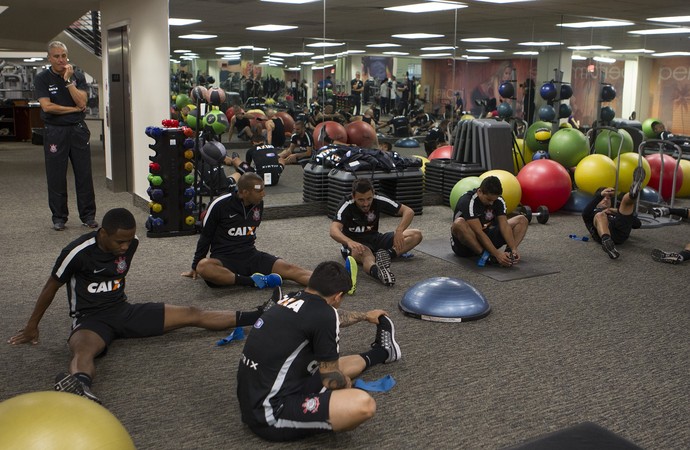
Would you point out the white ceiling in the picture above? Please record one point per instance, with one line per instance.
(29, 24)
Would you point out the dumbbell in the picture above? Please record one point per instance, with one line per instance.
(542, 213)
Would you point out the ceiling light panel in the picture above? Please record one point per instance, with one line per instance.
(271, 27)
(426, 7)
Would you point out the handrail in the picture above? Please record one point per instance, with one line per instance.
(87, 30)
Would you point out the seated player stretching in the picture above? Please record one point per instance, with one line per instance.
(292, 381)
(229, 231)
(94, 267)
(610, 226)
(356, 227)
(480, 224)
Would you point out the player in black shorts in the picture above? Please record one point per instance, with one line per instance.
(399, 124)
(610, 226)
(229, 231)
(291, 380)
(240, 123)
(275, 129)
(265, 159)
(480, 224)
(356, 227)
(93, 267)
(301, 146)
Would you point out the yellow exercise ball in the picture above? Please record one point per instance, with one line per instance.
(512, 192)
(57, 420)
(523, 151)
(595, 171)
(685, 187)
(629, 161)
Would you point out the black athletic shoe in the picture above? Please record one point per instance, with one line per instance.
(385, 338)
(59, 226)
(638, 178)
(271, 302)
(91, 223)
(661, 211)
(666, 257)
(609, 247)
(383, 263)
(66, 382)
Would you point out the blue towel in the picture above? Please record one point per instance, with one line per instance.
(384, 384)
(236, 335)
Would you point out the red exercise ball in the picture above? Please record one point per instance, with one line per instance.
(544, 182)
(334, 130)
(443, 152)
(361, 134)
(288, 121)
(230, 113)
(669, 166)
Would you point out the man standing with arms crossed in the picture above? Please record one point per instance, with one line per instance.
(62, 94)
(356, 89)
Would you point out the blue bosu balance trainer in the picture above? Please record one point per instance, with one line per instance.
(444, 299)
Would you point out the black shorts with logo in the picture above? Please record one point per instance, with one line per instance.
(125, 320)
(301, 415)
(249, 264)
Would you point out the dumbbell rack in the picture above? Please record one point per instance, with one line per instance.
(172, 207)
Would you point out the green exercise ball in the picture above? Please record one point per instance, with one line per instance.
(568, 146)
(538, 135)
(601, 144)
(647, 128)
(461, 187)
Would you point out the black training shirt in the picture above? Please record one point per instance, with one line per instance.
(48, 84)
(282, 351)
(357, 223)
(95, 280)
(229, 228)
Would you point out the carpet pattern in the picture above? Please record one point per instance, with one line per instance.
(600, 341)
(526, 268)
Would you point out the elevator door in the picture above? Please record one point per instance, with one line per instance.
(119, 110)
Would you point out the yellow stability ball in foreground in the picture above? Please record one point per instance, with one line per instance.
(595, 171)
(57, 420)
(512, 192)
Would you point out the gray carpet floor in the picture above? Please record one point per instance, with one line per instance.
(602, 341)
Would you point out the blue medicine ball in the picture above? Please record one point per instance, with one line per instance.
(548, 91)
(506, 89)
(608, 93)
(566, 91)
(547, 113)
